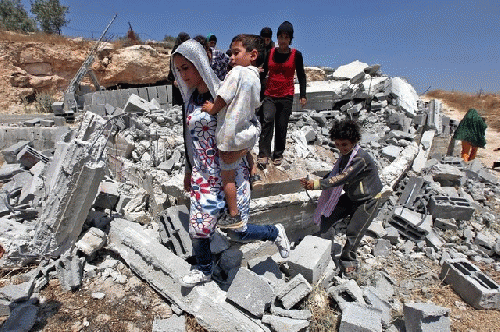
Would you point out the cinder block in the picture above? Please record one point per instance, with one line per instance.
(310, 258)
(250, 292)
(426, 317)
(360, 319)
(411, 224)
(450, 207)
(162, 94)
(348, 292)
(143, 93)
(471, 284)
(152, 93)
(294, 291)
(172, 324)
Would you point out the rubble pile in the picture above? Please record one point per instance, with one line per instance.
(115, 183)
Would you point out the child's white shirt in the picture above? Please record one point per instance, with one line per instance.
(237, 124)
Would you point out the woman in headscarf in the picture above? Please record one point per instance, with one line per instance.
(198, 84)
(471, 131)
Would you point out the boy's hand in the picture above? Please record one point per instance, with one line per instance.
(303, 102)
(307, 184)
(207, 107)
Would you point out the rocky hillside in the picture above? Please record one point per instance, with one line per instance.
(34, 65)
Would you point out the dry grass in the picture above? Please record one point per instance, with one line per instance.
(488, 105)
(39, 37)
(324, 318)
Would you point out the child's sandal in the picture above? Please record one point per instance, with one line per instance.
(262, 162)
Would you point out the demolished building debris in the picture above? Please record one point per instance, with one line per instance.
(115, 183)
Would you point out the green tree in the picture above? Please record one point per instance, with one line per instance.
(50, 15)
(14, 17)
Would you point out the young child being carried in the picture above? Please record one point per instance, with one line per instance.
(238, 128)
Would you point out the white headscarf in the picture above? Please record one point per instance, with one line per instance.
(194, 52)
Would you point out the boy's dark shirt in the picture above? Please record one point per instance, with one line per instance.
(360, 179)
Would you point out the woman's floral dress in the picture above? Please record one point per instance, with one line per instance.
(207, 194)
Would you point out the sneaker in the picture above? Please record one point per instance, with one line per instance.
(229, 222)
(282, 241)
(194, 278)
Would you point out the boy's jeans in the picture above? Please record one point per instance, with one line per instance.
(201, 247)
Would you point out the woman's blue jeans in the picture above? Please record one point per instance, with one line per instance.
(201, 247)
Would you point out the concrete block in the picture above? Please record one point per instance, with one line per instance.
(108, 196)
(373, 300)
(32, 122)
(111, 98)
(426, 317)
(391, 152)
(295, 314)
(28, 157)
(172, 324)
(382, 248)
(22, 317)
(152, 93)
(17, 293)
(360, 319)
(218, 243)
(293, 291)
(411, 224)
(310, 258)
(250, 292)
(10, 153)
(136, 104)
(17, 182)
(450, 207)
(285, 324)
(230, 259)
(7, 171)
(348, 71)
(471, 284)
(392, 235)
(92, 241)
(331, 272)
(4, 308)
(70, 271)
(162, 94)
(143, 93)
(178, 218)
(348, 292)
(58, 107)
(267, 268)
(47, 123)
(445, 224)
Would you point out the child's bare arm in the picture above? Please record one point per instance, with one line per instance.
(215, 107)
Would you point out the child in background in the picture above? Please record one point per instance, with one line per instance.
(238, 128)
(356, 173)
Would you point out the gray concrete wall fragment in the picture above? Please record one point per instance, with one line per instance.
(310, 258)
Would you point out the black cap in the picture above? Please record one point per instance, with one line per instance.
(286, 27)
(182, 37)
(211, 37)
(266, 32)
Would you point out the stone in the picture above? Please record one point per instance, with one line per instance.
(348, 292)
(349, 71)
(293, 291)
(92, 241)
(426, 317)
(10, 153)
(360, 319)
(250, 292)
(172, 324)
(285, 324)
(310, 258)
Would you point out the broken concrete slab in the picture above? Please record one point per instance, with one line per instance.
(423, 151)
(92, 241)
(22, 317)
(349, 71)
(251, 292)
(426, 317)
(72, 189)
(7, 171)
(285, 324)
(348, 292)
(163, 270)
(70, 271)
(17, 293)
(172, 324)
(406, 96)
(293, 291)
(10, 153)
(360, 318)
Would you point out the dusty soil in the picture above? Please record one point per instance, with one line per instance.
(490, 153)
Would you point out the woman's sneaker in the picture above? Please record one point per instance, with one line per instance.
(194, 278)
(229, 222)
(282, 241)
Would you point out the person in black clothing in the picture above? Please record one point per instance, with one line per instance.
(267, 34)
(176, 93)
(279, 69)
(356, 173)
